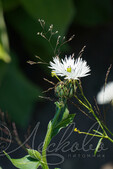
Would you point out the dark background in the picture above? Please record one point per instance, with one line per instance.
(21, 83)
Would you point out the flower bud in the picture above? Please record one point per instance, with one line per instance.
(65, 89)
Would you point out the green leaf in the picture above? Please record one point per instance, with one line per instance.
(51, 11)
(63, 120)
(34, 154)
(24, 163)
(62, 124)
(98, 145)
(93, 12)
(4, 55)
(17, 95)
(64, 111)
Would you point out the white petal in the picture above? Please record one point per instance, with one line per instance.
(78, 67)
(106, 94)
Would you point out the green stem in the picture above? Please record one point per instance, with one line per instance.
(91, 110)
(90, 134)
(89, 107)
(99, 122)
(88, 103)
(56, 116)
(82, 102)
(98, 132)
(46, 142)
(107, 129)
(102, 125)
(110, 139)
(48, 138)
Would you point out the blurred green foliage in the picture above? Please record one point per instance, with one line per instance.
(93, 12)
(4, 55)
(10, 5)
(17, 93)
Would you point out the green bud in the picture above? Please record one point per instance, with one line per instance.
(34, 154)
(65, 89)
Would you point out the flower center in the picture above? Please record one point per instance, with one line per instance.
(69, 69)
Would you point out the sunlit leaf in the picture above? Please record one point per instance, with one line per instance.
(4, 55)
(24, 163)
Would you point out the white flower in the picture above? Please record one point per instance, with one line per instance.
(106, 94)
(69, 67)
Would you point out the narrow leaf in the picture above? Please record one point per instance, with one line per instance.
(98, 145)
(98, 132)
